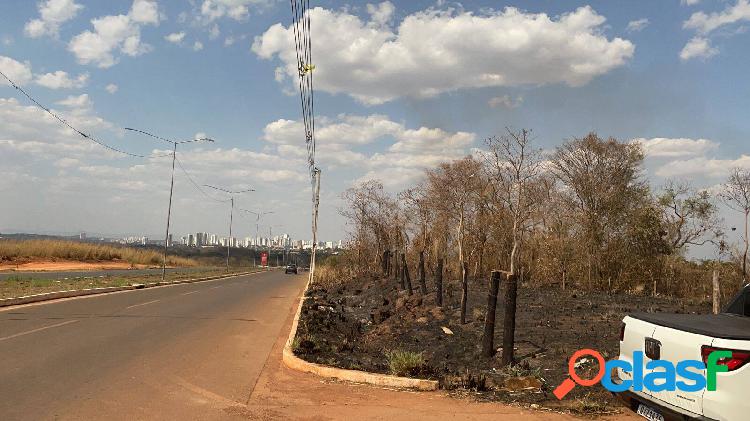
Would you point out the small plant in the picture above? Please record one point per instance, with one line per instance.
(587, 405)
(405, 363)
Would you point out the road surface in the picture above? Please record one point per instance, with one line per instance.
(159, 353)
(205, 351)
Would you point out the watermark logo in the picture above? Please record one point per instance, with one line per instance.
(662, 375)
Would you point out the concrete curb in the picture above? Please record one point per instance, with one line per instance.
(28, 299)
(295, 363)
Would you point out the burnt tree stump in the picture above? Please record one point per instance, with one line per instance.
(488, 340)
(422, 282)
(509, 323)
(405, 279)
(439, 283)
(464, 290)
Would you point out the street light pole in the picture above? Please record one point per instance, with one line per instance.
(169, 215)
(171, 186)
(231, 213)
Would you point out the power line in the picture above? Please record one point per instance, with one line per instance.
(196, 185)
(71, 127)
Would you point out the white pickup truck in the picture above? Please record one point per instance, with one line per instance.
(679, 337)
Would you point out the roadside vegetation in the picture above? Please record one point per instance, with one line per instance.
(13, 251)
(578, 236)
(23, 285)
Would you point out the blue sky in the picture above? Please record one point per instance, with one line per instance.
(400, 86)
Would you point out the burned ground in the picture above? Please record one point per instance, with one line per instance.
(359, 324)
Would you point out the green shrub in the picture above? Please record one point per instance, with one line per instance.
(405, 363)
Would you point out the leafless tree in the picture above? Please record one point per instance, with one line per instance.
(736, 195)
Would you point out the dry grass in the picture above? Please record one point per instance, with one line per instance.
(14, 250)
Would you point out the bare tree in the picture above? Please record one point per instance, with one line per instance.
(736, 195)
(690, 216)
(452, 187)
(515, 167)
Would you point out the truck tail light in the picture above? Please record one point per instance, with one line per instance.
(739, 358)
(622, 331)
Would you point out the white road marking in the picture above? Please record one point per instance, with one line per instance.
(38, 329)
(189, 292)
(142, 304)
(217, 286)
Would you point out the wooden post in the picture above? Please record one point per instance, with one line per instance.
(563, 279)
(439, 282)
(716, 292)
(488, 341)
(405, 269)
(509, 324)
(464, 290)
(422, 283)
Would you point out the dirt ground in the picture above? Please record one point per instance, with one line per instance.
(356, 325)
(59, 265)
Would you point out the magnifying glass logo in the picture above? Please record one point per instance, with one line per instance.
(568, 384)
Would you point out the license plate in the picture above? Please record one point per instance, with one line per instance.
(648, 413)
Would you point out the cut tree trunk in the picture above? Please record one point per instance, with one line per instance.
(406, 277)
(509, 323)
(422, 282)
(439, 283)
(488, 340)
(464, 290)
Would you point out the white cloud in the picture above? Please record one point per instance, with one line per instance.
(661, 147)
(238, 10)
(637, 25)
(197, 46)
(18, 72)
(505, 101)
(214, 32)
(61, 80)
(408, 153)
(53, 13)
(689, 2)
(115, 33)
(705, 23)
(698, 47)
(175, 37)
(436, 51)
(382, 13)
(77, 101)
(111, 88)
(702, 166)
(231, 39)
(145, 12)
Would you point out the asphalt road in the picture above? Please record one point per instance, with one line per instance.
(176, 352)
(88, 273)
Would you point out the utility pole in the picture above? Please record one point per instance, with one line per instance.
(231, 213)
(171, 187)
(316, 203)
(258, 215)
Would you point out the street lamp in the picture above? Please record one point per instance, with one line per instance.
(171, 186)
(258, 215)
(231, 213)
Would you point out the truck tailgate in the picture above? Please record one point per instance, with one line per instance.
(676, 346)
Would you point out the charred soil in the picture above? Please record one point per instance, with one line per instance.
(371, 325)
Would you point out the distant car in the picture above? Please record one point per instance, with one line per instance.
(291, 269)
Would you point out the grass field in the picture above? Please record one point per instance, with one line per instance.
(26, 250)
(21, 286)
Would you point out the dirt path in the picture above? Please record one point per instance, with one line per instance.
(285, 394)
(58, 265)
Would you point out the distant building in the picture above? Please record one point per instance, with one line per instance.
(82, 236)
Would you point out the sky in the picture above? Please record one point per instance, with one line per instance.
(400, 86)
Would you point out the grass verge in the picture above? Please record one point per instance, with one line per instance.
(18, 286)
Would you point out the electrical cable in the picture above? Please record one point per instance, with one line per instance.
(70, 126)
